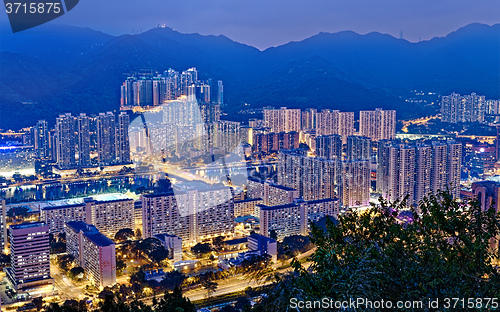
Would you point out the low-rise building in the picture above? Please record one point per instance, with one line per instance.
(263, 245)
(172, 244)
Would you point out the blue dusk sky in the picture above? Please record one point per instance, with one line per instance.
(266, 23)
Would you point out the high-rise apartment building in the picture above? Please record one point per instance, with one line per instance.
(329, 146)
(109, 213)
(330, 122)
(246, 207)
(3, 226)
(83, 133)
(294, 218)
(424, 168)
(355, 187)
(309, 119)
(378, 124)
(220, 92)
(42, 140)
(358, 148)
(272, 194)
(65, 141)
(193, 211)
(30, 256)
(283, 119)
(106, 148)
(93, 251)
(456, 108)
(314, 178)
(228, 135)
(122, 139)
(396, 172)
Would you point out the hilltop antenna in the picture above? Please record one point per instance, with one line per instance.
(401, 35)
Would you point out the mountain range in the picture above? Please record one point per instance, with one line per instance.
(53, 69)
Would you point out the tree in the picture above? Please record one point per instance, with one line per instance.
(65, 262)
(158, 255)
(201, 249)
(209, 286)
(241, 303)
(441, 251)
(293, 245)
(173, 279)
(175, 302)
(218, 242)
(76, 273)
(38, 302)
(21, 211)
(273, 235)
(138, 233)
(120, 266)
(106, 292)
(124, 234)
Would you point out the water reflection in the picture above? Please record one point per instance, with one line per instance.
(54, 191)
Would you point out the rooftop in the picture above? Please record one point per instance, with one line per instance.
(80, 226)
(162, 236)
(236, 241)
(99, 239)
(247, 200)
(64, 203)
(27, 225)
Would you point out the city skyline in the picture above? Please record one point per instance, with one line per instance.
(226, 156)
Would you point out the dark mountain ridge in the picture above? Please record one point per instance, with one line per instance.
(70, 69)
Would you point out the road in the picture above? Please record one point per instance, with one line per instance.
(234, 284)
(67, 290)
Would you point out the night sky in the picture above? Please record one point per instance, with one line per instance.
(265, 23)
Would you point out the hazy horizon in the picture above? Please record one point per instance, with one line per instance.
(263, 24)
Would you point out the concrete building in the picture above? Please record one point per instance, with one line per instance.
(418, 170)
(193, 211)
(263, 245)
(423, 167)
(122, 139)
(456, 108)
(247, 207)
(93, 251)
(283, 119)
(358, 148)
(172, 244)
(329, 146)
(293, 219)
(272, 194)
(3, 227)
(83, 130)
(378, 124)
(355, 187)
(30, 256)
(106, 138)
(108, 212)
(314, 178)
(65, 142)
(396, 172)
(488, 194)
